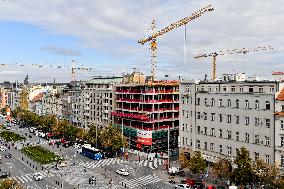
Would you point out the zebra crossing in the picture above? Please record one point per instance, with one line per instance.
(153, 164)
(141, 181)
(29, 177)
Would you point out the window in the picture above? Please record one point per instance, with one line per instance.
(202, 88)
(205, 116)
(220, 133)
(182, 140)
(241, 89)
(282, 124)
(197, 87)
(246, 104)
(186, 127)
(212, 116)
(220, 117)
(198, 115)
(267, 158)
(186, 142)
(198, 129)
(212, 102)
(205, 101)
(220, 102)
(212, 132)
(205, 145)
(237, 103)
(246, 120)
(237, 136)
(251, 89)
(256, 104)
(256, 155)
(267, 141)
(198, 101)
(267, 105)
(212, 146)
(205, 130)
(256, 139)
(247, 137)
(220, 149)
(229, 118)
(229, 134)
(186, 114)
(282, 141)
(182, 127)
(272, 89)
(198, 144)
(282, 108)
(282, 161)
(261, 89)
(267, 123)
(229, 149)
(237, 119)
(209, 88)
(233, 89)
(229, 103)
(256, 121)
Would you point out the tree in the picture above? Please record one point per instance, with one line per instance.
(266, 173)
(197, 164)
(243, 174)
(183, 160)
(111, 139)
(222, 169)
(82, 134)
(10, 183)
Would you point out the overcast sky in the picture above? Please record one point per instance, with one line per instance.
(103, 34)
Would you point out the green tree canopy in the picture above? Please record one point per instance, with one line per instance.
(243, 174)
(197, 164)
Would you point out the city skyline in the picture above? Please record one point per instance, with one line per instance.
(104, 36)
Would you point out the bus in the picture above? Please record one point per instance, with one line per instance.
(92, 152)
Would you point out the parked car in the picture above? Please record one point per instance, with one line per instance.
(182, 186)
(37, 176)
(66, 144)
(4, 174)
(123, 172)
(3, 148)
(76, 145)
(8, 155)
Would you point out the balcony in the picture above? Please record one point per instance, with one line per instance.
(147, 91)
(105, 104)
(106, 111)
(147, 101)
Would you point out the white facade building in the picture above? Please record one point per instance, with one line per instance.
(218, 118)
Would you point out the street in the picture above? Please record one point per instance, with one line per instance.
(143, 173)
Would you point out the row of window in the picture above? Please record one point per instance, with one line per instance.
(237, 135)
(229, 103)
(228, 118)
(222, 149)
(232, 89)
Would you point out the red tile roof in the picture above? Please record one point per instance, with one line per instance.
(37, 97)
(281, 95)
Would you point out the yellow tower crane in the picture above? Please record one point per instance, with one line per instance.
(153, 37)
(229, 52)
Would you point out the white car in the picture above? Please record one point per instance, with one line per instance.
(122, 172)
(182, 186)
(37, 176)
(3, 148)
(77, 145)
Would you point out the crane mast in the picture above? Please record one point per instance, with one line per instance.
(153, 37)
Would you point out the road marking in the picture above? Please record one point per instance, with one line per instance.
(142, 181)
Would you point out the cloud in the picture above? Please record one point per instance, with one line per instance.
(113, 28)
(60, 51)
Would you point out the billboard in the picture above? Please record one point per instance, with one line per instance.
(144, 137)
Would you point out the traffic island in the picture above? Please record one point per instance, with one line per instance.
(11, 137)
(41, 155)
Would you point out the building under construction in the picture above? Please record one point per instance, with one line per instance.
(146, 111)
